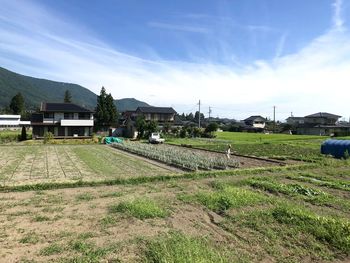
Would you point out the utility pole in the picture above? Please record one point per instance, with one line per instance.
(274, 119)
(199, 115)
(209, 112)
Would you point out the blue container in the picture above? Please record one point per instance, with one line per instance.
(336, 148)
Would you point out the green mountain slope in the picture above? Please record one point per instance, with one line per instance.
(37, 90)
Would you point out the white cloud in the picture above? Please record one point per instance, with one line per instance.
(316, 78)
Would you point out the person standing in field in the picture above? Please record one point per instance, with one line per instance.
(228, 151)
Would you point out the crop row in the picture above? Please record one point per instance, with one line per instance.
(180, 157)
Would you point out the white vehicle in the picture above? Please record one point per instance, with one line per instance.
(155, 138)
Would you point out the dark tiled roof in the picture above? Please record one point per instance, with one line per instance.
(323, 115)
(62, 107)
(253, 118)
(167, 110)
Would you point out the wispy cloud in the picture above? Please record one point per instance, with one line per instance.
(313, 79)
(338, 21)
(185, 28)
(280, 45)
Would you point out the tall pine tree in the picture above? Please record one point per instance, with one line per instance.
(111, 109)
(17, 104)
(106, 112)
(67, 96)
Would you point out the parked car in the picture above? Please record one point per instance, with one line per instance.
(155, 138)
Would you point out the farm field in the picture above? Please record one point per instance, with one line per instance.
(278, 146)
(21, 165)
(94, 203)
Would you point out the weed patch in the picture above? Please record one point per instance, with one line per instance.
(335, 232)
(30, 238)
(52, 250)
(84, 197)
(176, 247)
(140, 208)
(227, 197)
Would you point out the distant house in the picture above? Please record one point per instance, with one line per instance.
(321, 123)
(158, 114)
(295, 120)
(162, 115)
(12, 122)
(62, 120)
(255, 122)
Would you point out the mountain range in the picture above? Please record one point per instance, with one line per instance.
(35, 91)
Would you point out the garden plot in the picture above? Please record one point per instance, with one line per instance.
(22, 165)
(180, 157)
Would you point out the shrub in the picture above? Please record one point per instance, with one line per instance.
(48, 137)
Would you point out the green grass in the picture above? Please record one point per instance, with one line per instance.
(227, 197)
(41, 218)
(335, 232)
(52, 250)
(108, 221)
(278, 146)
(318, 180)
(30, 238)
(179, 248)
(291, 233)
(141, 208)
(84, 197)
(306, 193)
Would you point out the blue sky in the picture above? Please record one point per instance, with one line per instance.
(239, 57)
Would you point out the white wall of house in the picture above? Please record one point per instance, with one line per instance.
(259, 125)
(77, 123)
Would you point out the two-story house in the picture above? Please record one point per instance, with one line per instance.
(158, 114)
(321, 123)
(161, 115)
(255, 122)
(62, 120)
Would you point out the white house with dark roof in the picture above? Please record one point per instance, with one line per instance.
(62, 120)
(255, 122)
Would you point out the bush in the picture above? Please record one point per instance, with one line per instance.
(48, 137)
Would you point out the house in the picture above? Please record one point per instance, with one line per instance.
(12, 122)
(255, 122)
(321, 123)
(295, 120)
(162, 115)
(62, 120)
(158, 114)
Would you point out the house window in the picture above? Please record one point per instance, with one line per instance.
(48, 115)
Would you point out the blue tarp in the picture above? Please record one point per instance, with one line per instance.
(336, 148)
(109, 140)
